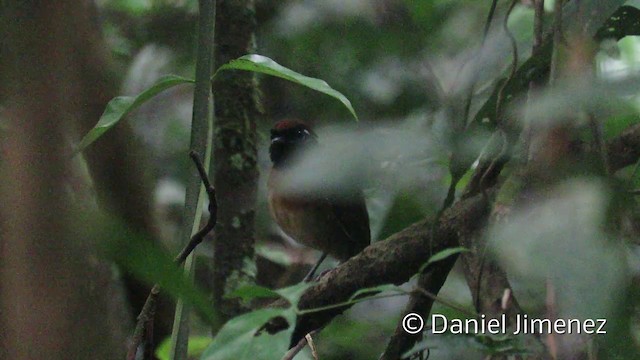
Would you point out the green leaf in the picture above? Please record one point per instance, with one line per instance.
(197, 345)
(249, 292)
(405, 210)
(443, 255)
(137, 254)
(241, 338)
(291, 294)
(264, 65)
(276, 255)
(121, 106)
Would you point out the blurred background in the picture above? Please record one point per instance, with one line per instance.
(404, 65)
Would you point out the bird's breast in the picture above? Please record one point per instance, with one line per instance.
(313, 220)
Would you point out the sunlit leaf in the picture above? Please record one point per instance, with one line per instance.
(242, 337)
(264, 65)
(197, 345)
(121, 106)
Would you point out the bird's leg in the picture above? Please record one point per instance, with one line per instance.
(315, 268)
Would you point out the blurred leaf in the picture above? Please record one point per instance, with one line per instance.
(242, 338)
(121, 106)
(264, 65)
(291, 294)
(443, 255)
(395, 156)
(624, 115)
(405, 210)
(464, 180)
(249, 292)
(572, 252)
(133, 7)
(197, 345)
(278, 256)
(138, 255)
(616, 124)
(337, 338)
(501, 344)
(536, 67)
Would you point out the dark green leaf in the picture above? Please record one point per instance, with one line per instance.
(443, 255)
(120, 106)
(291, 294)
(249, 292)
(405, 210)
(264, 65)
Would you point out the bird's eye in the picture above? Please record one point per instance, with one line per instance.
(303, 133)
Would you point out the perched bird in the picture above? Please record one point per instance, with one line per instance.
(337, 225)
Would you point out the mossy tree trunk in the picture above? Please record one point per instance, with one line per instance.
(235, 155)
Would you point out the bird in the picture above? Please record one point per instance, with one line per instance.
(337, 225)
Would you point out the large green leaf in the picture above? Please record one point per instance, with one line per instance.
(120, 106)
(243, 337)
(264, 65)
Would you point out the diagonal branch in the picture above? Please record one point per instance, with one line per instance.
(393, 260)
(399, 257)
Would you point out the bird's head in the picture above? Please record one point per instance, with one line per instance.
(288, 139)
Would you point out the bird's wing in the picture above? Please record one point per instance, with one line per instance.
(352, 217)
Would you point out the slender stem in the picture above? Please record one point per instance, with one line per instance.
(299, 346)
(145, 318)
(201, 135)
(557, 41)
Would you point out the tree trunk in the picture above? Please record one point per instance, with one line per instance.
(235, 155)
(57, 301)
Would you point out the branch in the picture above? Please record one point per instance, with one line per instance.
(299, 346)
(393, 260)
(145, 318)
(421, 303)
(399, 257)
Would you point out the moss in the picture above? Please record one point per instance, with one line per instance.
(237, 161)
(239, 278)
(235, 222)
